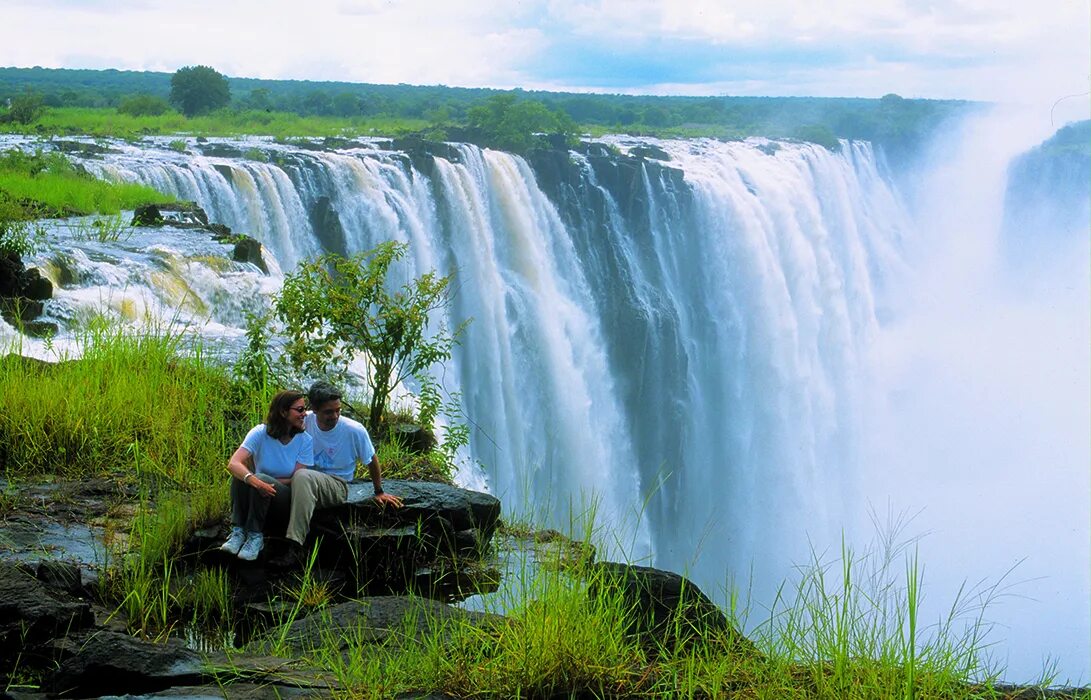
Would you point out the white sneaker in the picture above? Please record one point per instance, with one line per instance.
(252, 547)
(234, 541)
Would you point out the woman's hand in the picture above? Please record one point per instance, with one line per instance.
(264, 487)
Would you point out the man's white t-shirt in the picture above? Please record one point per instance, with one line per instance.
(336, 451)
(273, 457)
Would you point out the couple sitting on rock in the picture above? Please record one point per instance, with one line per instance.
(300, 459)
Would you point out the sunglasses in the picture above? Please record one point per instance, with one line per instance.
(298, 409)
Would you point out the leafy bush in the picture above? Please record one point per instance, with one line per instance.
(335, 306)
(143, 105)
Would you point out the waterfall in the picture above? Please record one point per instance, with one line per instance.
(693, 338)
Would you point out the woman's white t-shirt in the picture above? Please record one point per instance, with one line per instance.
(273, 457)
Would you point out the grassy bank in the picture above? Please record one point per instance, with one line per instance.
(149, 409)
(43, 185)
(109, 122)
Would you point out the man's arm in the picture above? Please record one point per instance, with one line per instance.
(381, 497)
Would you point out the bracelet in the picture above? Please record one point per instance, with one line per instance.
(379, 491)
(247, 477)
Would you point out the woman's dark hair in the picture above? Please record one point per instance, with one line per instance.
(276, 423)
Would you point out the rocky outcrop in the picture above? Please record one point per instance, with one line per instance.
(666, 610)
(380, 620)
(104, 662)
(23, 292)
(34, 611)
(188, 215)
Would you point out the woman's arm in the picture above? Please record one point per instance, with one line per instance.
(240, 467)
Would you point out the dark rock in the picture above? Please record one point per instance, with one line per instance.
(40, 329)
(220, 232)
(180, 214)
(219, 150)
(667, 609)
(110, 662)
(327, 226)
(423, 501)
(61, 576)
(11, 274)
(19, 310)
(414, 438)
(34, 286)
(32, 613)
(649, 151)
(147, 215)
(82, 148)
(380, 620)
(248, 250)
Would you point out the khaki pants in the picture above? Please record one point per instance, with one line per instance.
(312, 489)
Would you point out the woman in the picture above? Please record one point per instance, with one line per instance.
(262, 469)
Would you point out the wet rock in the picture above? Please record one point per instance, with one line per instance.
(380, 620)
(36, 287)
(667, 609)
(33, 613)
(61, 576)
(423, 501)
(219, 150)
(82, 148)
(111, 662)
(180, 214)
(248, 250)
(327, 226)
(650, 152)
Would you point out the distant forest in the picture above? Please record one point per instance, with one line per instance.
(897, 124)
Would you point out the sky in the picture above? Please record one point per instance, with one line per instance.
(995, 50)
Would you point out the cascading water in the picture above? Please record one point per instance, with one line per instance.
(690, 337)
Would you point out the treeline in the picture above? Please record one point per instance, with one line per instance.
(896, 123)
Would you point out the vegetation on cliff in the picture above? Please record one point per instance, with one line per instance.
(87, 101)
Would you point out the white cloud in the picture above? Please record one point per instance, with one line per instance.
(981, 49)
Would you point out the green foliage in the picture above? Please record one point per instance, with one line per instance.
(508, 123)
(819, 134)
(198, 89)
(334, 306)
(134, 404)
(25, 108)
(46, 184)
(17, 236)
(143, 105)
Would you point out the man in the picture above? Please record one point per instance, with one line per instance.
(339, 445)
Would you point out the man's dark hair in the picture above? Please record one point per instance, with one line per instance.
(322, 392)
(276, 422)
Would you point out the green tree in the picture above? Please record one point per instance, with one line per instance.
(198, 89)
(143, 105)
(333, 306)
(511, 124)
(25, 108)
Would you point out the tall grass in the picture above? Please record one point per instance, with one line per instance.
(141, 405)
(847, 629)
(48, 185)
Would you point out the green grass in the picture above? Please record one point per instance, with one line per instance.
(149, 408)
(105, 122)
(48, 185)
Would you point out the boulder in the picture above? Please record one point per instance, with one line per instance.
(180, 214)
(649, 151)
(381, 620)
(32, 612)
(34, 286)
(248, 250)
(424, 501)
(111, 662)
(666, 609)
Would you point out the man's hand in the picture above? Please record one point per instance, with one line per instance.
(385, 499)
